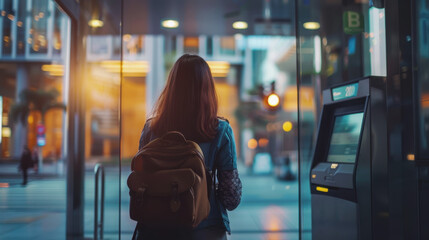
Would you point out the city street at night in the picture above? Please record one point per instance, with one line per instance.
(268, 210)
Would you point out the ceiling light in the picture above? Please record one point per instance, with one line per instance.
(170, 23)
(311, 25)
(239, 25)
(95, 23)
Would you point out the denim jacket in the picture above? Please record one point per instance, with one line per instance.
(221, 158)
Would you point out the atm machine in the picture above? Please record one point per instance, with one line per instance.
(350, 161)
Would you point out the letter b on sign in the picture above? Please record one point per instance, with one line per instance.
(352, 22)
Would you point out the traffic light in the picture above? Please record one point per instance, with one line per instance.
(271, 101)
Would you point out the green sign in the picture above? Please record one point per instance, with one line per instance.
(346, 91)
(352, 22)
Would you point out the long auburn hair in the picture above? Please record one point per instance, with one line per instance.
(188, 103)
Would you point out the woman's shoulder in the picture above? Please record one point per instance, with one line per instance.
(224, 129)
(223, 123)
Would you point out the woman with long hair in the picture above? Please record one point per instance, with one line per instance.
(188, 104)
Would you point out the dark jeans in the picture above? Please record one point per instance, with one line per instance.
(209, 233)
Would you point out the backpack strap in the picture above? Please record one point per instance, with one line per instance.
(212, 168)
(146, 135)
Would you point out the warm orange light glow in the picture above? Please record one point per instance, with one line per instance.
(287, 126)
(252, 143)
(126, 37)
(57, 45)
(263, 142)
(271, 218)
(313, 176)
(424, 100)
(6, 132)
(5, 119)
(129, 68)
(290, 103)
(411, 157)
(219, 68)
(273, 100)
(192, 42)
(36, 47)
(4, 185)
(53, 69)
(30, 119)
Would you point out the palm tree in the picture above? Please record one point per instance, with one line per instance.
(35, 100)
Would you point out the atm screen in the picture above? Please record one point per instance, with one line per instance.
(345, 138)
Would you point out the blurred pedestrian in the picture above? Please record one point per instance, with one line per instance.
(35, 159)
(25, 163)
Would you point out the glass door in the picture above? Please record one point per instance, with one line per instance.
(249, 60)
(100, 67)
(338, 41)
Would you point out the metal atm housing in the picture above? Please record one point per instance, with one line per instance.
(349, 156)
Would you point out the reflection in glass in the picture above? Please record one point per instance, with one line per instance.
(239, 65)
(39, 25)
(422, 76)
(7, 16)
(33, 109)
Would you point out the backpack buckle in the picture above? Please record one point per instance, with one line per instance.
(175, 200)
(140, 192)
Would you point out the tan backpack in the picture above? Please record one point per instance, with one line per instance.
(168, 184)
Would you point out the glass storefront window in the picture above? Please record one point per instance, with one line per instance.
(238, 69)
(338, 42)
(58, 38)
(7, 16)
(39, 26)
(21, 28)
(34, 104)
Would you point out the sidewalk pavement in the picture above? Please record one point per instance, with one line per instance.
(269, 208)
